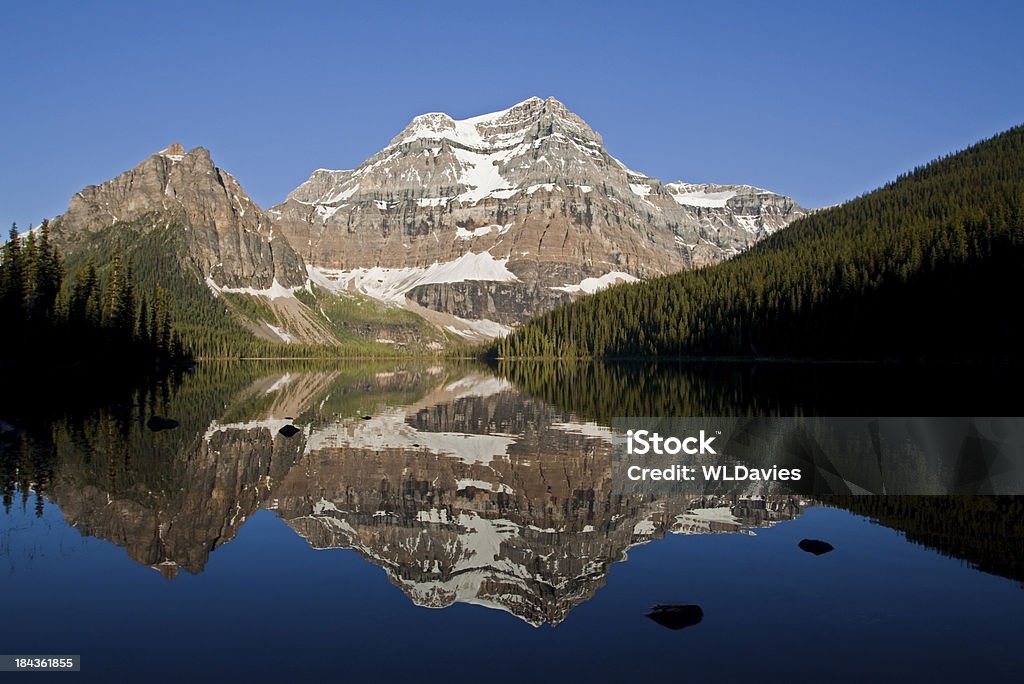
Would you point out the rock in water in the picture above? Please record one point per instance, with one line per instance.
(158, 423)
(815, 546)
(676, 616)
(289, 431)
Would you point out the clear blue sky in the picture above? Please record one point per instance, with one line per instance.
(818, 100)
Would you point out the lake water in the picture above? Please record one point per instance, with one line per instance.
(434, 523)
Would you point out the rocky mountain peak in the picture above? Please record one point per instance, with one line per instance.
(230, 239)
(530, 119)
(173, 150)
(497, 217)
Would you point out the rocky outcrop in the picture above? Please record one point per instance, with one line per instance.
(532, 189)
(229, 240)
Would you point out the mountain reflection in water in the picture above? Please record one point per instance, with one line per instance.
(461, 486)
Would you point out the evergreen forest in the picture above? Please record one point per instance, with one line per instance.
(926, 268)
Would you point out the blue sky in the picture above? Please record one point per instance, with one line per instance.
(821, 101)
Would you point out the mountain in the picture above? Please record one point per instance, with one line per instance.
(457, 230)
(230, 240)
(494, 218)
(926, 268)
(236, 285)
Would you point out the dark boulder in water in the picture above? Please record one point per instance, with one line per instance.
(367, 417)
(289, 431)
(158, 423)
(815, 546)
(676, 616)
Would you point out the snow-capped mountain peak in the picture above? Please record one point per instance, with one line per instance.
(532, 185)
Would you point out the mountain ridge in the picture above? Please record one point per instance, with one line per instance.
(531, 186)
(469, 226)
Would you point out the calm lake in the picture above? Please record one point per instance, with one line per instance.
(445, 522)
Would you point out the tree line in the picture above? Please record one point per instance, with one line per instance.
(91, 319)
(925, 268)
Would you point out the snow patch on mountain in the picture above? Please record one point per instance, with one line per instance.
(479, 174)
(592, 285)
(391, 284)
(463, 234)
(275, 291)
(702, 195)
(479, 327)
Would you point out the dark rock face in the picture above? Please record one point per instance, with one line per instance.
(505, 303)
(815, 546)
(229, 239)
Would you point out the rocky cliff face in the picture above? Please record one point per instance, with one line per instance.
(506, 214)
(230, 240)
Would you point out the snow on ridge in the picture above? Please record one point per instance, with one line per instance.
(592, 285)
(275, 291)
(702, 194)
(392, 284)
(442, 126)
(716, 200)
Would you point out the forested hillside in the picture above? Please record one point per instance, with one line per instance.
(212, 326)
(82, 320)
(925, 268)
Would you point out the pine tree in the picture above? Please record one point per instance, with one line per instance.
(12, 288)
